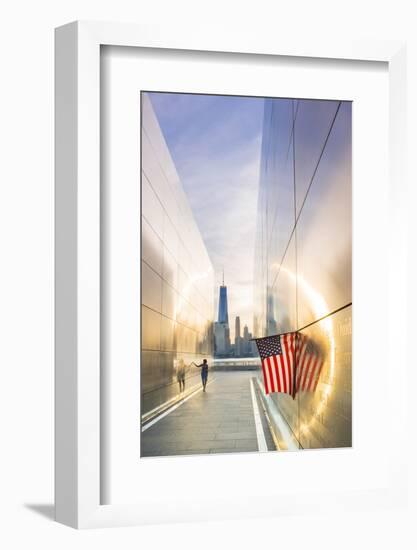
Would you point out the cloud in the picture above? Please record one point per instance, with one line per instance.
(215, 143)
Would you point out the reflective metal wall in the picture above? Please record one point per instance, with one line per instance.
(177, 279)
(304, 255)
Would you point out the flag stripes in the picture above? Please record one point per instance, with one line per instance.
(309, 364)
(278, 368)
(290, 363)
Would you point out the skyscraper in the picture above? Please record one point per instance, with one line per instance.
(223, 311)
(221, 328)
(245, 342)
(238, 347)
(248, 348)
(270, 314)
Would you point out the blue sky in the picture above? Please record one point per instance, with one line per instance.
(215, 143)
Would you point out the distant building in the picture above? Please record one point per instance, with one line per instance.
(270, 314)
(221, 327)
(227, 336)
(246, 347)
(223, 309)
(238, 340)
(223, 347)
(221, 339)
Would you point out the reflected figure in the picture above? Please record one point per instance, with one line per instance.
(181, 374)
(204, 372)
(309, 363)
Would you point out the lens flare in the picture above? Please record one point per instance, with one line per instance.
(320, 308)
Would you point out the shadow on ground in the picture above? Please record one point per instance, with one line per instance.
(45, 510)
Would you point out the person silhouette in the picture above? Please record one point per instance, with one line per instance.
(204, 372)
(181, 374)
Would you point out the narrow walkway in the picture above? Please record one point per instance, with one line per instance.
(221, 420)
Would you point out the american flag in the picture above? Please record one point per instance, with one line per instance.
(309, 362)
(290, 363)
(277, 356)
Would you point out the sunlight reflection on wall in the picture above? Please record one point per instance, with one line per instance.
(177, 279)
(303, 255)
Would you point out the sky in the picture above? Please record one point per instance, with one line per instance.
(215, 143)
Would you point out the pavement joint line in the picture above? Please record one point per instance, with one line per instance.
(150, 415)
(260, 436)
(173, 408)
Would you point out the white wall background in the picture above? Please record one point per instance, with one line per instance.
(26, 272)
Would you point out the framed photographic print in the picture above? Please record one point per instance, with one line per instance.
(268, 183)
(224, 281)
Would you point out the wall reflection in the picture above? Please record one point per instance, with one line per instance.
(304, 255)
(177, 279)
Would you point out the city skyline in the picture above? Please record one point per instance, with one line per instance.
(301, 352)
(240, 344)
(215, 143)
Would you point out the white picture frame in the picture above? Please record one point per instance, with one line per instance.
(77, 242)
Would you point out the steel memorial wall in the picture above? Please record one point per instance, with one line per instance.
(303, 256)
(177, 278)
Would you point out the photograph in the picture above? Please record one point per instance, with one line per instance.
(246, 274)
(194, 198)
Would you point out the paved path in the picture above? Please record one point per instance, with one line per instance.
(221, 420)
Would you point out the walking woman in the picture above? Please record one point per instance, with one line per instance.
(204, 372)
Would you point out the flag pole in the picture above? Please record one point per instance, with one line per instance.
(273, 335)
(306, 326)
